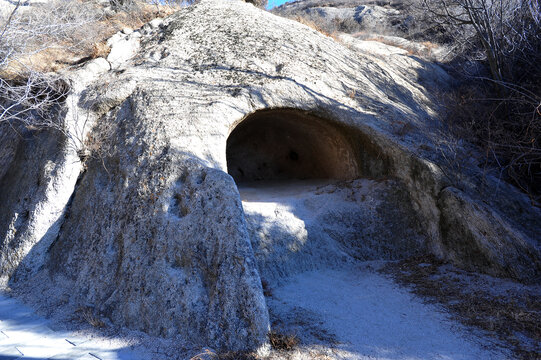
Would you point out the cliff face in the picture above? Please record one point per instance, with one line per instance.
(150, 229)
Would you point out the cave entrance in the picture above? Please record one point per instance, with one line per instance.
(317, 194)
(285, 144)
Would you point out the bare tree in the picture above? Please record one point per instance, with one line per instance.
(32, 100)
(502, 110)
(29, 35)
(499, 28)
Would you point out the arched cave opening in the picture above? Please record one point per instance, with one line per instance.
(289, 144)
(317, 193)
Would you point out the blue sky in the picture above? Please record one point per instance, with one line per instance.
(273, 3)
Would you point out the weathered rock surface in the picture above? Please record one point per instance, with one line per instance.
(154, 236)
(10, 141)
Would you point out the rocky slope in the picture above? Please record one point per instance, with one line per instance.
(351, 16)
(139, 219)
(399, 23)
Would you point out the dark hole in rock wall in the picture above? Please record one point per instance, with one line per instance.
(290, 144)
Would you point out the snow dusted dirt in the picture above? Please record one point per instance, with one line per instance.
(299, 226)
(320, 248)
(319, 245)
(352, 313)
(359, 314)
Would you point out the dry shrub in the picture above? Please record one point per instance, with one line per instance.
(97, 143)
(31, 37)
(282, 341)
(34, 100)
(508, 130)
(313, 25)
(499, 104)
(87, 315)
(59, 33)
(47, 37)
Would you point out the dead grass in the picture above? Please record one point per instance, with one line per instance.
(318, 28)
(87, 42)
(513, 316)
(138, 16)
(59, 57)
(280, 341)
(100, 49)
(87, 314)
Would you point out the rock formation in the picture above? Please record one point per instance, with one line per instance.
(135, 213)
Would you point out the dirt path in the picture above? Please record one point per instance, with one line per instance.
(318, 245)
(360, 314)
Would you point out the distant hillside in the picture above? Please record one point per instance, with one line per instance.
(350, 16)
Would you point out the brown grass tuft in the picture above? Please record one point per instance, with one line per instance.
(100, 49)
(87, 315)
(282, 341)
